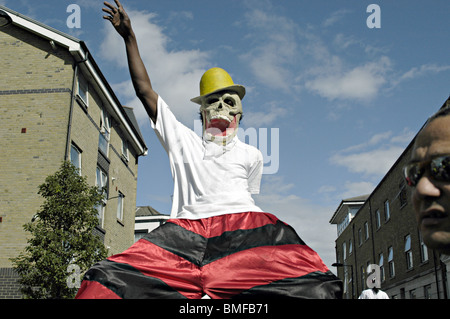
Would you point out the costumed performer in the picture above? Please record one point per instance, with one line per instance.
(217, 242)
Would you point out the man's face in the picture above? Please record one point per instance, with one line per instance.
(221, 113)
(431, 197)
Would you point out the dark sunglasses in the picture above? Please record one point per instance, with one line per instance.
(439, 168)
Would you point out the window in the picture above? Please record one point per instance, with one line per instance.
(412, 294)
(101, 183)
(402, 196)
(387, 213)
(408, 252)
(75, 157)
(378, 219)
(345, 280)
(120, 200)
(366, 230)
(360, 236)
(381, 264)
(423, 249)
(344, 251)
(125, 149)
(427, 291)
(402, 293)
(83, 89)
(350, 247)
(105, 132)
(363, 277)
(100, 213)
(391, 262)
(342, 225)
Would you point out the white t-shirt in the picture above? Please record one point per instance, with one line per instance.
(370, 294)
(209, 180)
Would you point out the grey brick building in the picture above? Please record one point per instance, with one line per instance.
(56, 105)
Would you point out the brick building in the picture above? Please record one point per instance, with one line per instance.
(380, 228)
(56, 105)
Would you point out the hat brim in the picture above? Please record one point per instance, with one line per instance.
(239, 89)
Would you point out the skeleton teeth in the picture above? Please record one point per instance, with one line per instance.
(223, 117)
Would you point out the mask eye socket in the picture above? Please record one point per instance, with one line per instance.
(229, 102)
(212, 100)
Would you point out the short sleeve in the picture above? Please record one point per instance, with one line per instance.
(255, 173)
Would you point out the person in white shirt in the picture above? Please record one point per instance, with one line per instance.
(218, 243)
(373, 293)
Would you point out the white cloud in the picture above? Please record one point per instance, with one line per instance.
(274, 50)
(335, 17)
(174, 74)
(272, 112)
(359, 83)
(353, 189)
(343, 42)
(374, 157)
(422, 70)
(377, 138)
(374, 162)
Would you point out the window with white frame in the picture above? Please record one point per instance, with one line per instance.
(381, 264)
(402, 195)
(408, 252)
(344, 251)
(363, 277)
(105, 132)
(101, 182)
(125, 149)
(423, 249)
(378, 218)
(75, 157)
(343, 224)
(120, 202)
(387, 213)
(83, 89)
(391, 262)
(366, 230)
(100, 213)
(345, 280)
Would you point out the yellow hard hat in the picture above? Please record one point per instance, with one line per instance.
(215, 80)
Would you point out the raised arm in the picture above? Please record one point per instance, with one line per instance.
(139, 76)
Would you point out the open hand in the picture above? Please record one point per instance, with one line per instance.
(119, 18)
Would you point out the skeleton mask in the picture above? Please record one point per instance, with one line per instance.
(221, 113)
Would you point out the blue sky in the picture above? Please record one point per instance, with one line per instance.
(345, 99)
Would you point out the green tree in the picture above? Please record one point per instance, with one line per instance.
(62, 238)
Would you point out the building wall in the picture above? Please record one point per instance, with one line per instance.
(122, 174)
(9, 285)
(35, 98)
(33, 126)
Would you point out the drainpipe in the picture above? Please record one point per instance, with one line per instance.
(444, 278)
(372, 233)
(72, 100)
(356, 284)
(436, 274)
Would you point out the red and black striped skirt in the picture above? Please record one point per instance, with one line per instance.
(243, 255)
